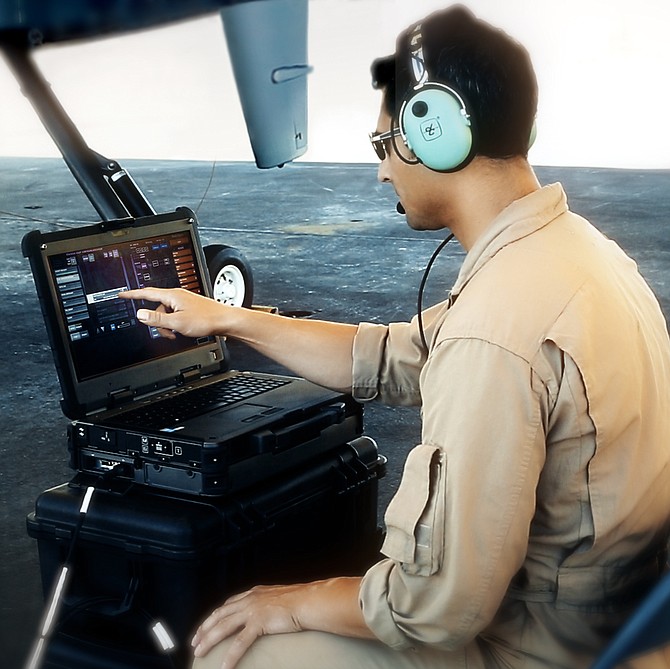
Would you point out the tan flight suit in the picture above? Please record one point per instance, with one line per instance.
(534, 514)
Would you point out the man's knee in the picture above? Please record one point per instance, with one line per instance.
(307, 650)
(300, 650)
(268, 652)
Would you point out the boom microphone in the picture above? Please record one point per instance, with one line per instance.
(400, 209)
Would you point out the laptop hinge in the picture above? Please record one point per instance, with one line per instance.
(189, 374)
(120, 396)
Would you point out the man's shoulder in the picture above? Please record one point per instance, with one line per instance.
(515, 299)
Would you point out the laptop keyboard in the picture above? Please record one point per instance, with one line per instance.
(182, 403)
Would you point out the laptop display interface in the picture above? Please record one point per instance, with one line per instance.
(102, 330)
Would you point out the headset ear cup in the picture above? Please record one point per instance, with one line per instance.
(436, 127)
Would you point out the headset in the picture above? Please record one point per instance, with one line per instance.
(434, 120)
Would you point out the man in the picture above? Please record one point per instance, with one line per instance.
(535, 512)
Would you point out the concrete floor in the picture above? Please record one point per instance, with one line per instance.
(323, 239)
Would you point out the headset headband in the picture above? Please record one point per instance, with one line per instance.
(419, 71)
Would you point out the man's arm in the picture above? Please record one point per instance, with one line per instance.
(320, 351)
(327, 606)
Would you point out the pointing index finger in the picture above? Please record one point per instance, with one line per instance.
(150, 294)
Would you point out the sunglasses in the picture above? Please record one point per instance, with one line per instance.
(379, 142)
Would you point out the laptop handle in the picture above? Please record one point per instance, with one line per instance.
(281, 439)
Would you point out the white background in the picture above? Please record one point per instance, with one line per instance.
(168, 93)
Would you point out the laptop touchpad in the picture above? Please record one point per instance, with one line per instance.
(243, 411)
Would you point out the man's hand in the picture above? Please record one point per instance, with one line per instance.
(180, 311)
(260, 611)
(329, 606)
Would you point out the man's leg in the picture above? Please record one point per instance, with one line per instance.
(319, 650)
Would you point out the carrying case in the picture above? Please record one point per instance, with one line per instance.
(143, 557)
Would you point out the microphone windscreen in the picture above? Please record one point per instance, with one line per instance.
(399, 208)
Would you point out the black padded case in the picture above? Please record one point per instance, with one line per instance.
(143, 556)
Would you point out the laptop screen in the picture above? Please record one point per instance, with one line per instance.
(102, 329)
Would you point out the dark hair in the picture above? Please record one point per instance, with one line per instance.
(490, 70)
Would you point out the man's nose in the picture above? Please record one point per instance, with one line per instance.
(383, 174)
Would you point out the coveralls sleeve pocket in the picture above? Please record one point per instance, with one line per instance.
(415, 517)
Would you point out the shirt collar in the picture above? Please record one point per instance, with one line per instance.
(519, 219)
